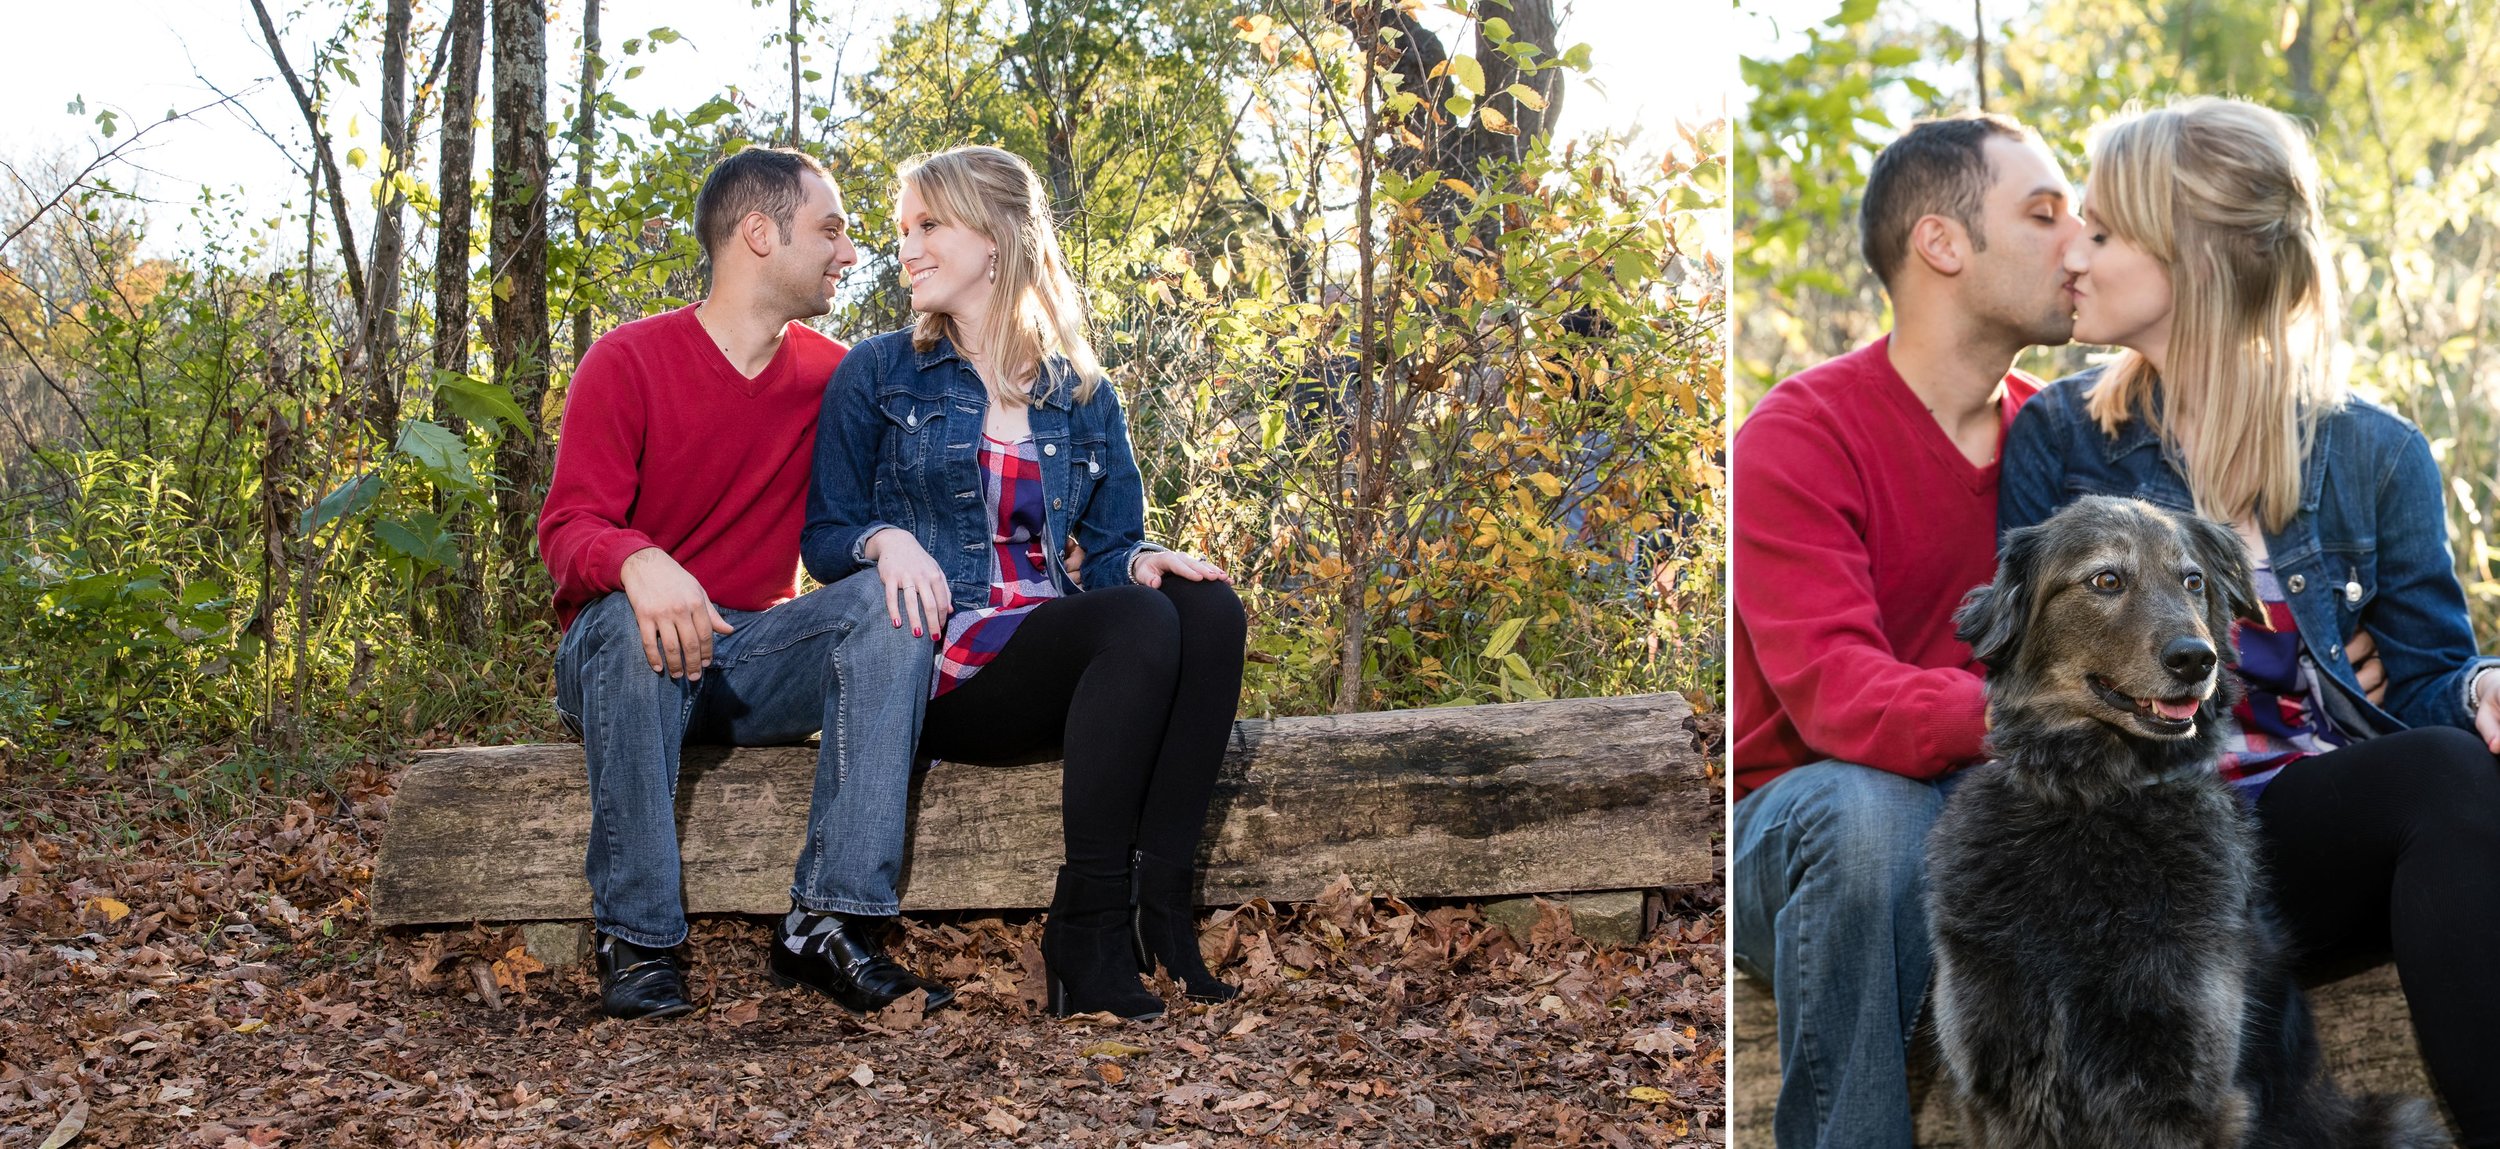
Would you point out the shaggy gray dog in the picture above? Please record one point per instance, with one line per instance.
(2106, 971)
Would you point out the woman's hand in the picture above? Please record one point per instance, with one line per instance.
(2362, 654)
(1148, 569)
(913, 583)
(2487, 707)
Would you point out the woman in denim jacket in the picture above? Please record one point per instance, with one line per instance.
(980, 461)
(2375, 787)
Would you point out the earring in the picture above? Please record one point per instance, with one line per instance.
(993, 265)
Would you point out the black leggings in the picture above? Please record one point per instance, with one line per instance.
(1134, 688)
(2392, 847)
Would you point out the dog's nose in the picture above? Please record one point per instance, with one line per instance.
(2189, 659)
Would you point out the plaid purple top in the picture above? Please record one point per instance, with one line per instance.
(1011, 487)
(2278, 722)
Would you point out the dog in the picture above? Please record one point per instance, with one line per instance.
(2107, 972)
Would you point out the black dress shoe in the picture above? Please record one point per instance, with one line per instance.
(636, 981)
(837, 955)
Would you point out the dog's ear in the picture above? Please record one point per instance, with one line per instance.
(1992, 617)
(2230, 588)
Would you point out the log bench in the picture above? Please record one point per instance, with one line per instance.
(2363, 1025)
(1591, 794)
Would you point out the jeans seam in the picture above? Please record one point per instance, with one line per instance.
(746, 656)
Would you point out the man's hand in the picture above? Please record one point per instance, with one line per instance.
(1072, 559)
(2487, 707)
(914, 585)
(2362, 653)
(1148, 569)
(673, 615)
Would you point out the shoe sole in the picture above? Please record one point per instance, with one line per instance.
(667, 1011)
(785, 981)
(1059, 1007)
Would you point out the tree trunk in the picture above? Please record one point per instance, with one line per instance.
(586, 145)
(325, 167)
(517, 248)
(796, 91)
(382, 320)
(1462, 801)
(451, 273)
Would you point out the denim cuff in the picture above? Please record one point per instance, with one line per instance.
(859, 550)
(2474, 673)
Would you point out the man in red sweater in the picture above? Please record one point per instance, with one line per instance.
(672, 531)
(1865, 494)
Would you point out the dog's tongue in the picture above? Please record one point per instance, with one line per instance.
(2179, 711)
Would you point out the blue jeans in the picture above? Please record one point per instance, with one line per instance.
(1829, 879)
(827, 660)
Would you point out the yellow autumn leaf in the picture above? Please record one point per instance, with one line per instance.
(1460, 186)
(250, 1025)
(1495, 121)
(1113, 1049)
(1545, 481)
(113, 909)
(1650, 1093)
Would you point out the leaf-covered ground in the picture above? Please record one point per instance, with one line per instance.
(170, 981)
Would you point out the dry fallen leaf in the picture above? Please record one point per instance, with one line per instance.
(71, 1123)
(1113, 1049)
(113, 909)
(1110, 1072)
(1243, 1027)
(863, 1077)
(1003, 1121)
(1651, 1094)
(1250, 1100)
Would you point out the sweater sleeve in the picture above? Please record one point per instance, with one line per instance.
(582, 536)
(1805, 585)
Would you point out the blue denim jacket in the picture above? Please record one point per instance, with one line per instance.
(897, 446)
(2369, 545)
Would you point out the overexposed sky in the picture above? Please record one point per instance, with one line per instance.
(1654, 62)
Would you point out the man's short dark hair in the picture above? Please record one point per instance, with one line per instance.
(769, 180)
(1938, 167)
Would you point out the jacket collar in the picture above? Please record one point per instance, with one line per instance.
(1052, 393)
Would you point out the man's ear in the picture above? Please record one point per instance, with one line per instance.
(1941, 243)
(759, 233)
(1992, 618)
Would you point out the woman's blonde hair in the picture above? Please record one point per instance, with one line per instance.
(1034, 305)
(2225, 194)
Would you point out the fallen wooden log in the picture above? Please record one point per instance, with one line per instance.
(2363, 1027)
(1473, 801)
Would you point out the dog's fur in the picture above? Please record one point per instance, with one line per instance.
(2106, 972)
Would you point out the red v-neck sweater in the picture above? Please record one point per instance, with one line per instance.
(1859, 527)
(666, 445)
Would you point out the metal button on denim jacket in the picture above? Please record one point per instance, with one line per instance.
(2369, 543)
(897, 445)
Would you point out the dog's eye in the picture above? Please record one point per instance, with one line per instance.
(2195, 583)
(2108, 581)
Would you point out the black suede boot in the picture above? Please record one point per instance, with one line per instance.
(1167, 927)
(1086, 950)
